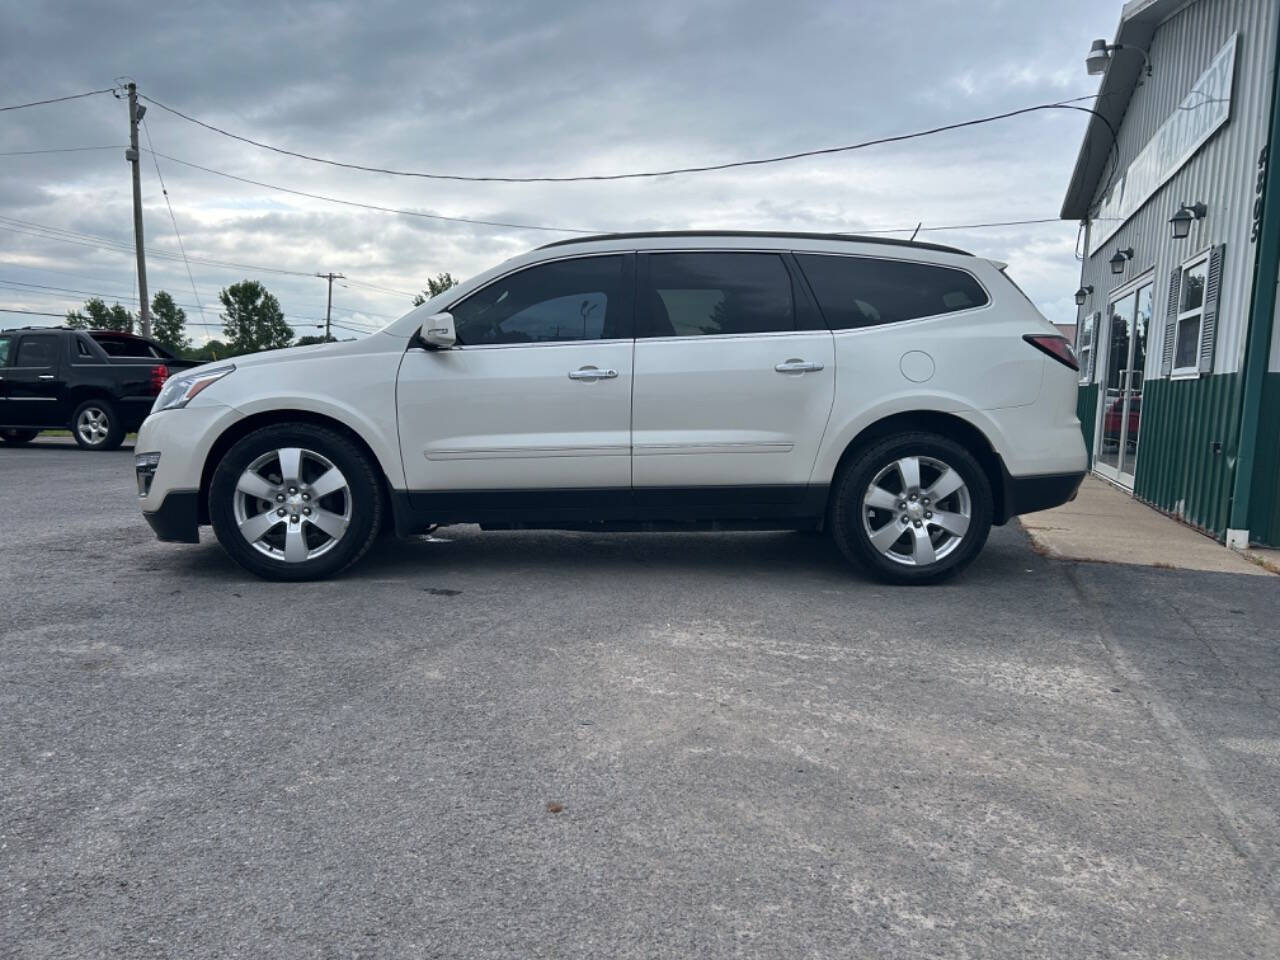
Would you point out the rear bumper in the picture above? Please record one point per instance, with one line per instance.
(1039, 492)
(177, 518)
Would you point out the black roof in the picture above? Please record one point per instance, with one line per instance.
(790, 235)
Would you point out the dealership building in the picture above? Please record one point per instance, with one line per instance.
(1180, 233)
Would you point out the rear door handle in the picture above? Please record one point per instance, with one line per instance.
(592, 373)
(46, 376)
(797, 366)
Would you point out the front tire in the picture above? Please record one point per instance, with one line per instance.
(295, 501)
(912, 509)
(96, 426)
(17, 438)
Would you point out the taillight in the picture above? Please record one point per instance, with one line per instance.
(158, 376)
(1055, 346)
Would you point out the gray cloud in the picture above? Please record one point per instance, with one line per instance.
(552, 87)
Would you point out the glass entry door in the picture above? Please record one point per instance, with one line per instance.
(1120, 413)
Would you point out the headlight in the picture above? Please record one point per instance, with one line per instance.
(180, 390)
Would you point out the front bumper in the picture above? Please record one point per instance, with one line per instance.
(178, 518)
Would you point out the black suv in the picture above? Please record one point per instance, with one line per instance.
(98, 384)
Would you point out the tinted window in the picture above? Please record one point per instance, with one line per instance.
(37, 351)
(863, 291)
(4, 350)
(567, 300)
(127, 347)
(703, 294)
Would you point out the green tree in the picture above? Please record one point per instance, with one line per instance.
(253, 320)
(308, 341)
(212, 350)
(435, 286)
(98, 316)
(168, 322)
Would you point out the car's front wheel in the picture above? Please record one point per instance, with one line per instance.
(295, 502)
(912, 509)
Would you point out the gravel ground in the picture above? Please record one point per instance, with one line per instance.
(570, 745)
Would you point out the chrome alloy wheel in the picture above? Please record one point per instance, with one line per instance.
(916, 511)
(292, 504)
(93, 425)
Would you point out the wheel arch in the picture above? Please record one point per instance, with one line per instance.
(246, 425)
(932, 421)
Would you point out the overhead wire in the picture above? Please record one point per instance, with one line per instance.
(172, 218)
(41, 103)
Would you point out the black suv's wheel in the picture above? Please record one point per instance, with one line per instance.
(912, 509)
(17, 438)
(295, 502)
(96, 426)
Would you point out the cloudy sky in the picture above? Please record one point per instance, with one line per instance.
(547, 88)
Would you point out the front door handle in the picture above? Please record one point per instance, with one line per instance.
(797, 366)
(592, 373)
(46, 376)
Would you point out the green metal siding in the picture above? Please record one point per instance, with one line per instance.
(1087, 412)
(1178, 468)
(1264, 505)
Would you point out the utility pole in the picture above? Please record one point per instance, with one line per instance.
(329, 307)
(135, 114)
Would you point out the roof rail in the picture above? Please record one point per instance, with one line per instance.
(786, 234)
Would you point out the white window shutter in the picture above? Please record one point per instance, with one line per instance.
(1209, 320)
(1171, 322)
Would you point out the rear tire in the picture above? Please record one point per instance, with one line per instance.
(928, 490)
(96, 426)
(17, 438)
(296, 501)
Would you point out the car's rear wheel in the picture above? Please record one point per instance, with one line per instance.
(295, 502)
(912, 509)
(17, 438)
(96, 426)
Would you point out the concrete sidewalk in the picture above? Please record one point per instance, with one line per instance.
(1105, 525)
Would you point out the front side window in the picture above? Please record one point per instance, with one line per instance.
(568, 300)
(1186, 351)
(37, 351)
(713, 294)
(867, 291)
(4, 350)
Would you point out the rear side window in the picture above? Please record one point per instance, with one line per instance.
(563, 301)
(37, 351)
(127, 347)
(4, 350)
(707, 294)
(865, 291)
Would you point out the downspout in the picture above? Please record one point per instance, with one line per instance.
(1257, 348)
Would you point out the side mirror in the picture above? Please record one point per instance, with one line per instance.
(437, 331)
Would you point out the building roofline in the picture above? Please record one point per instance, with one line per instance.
(1138, 22)
(790, 235)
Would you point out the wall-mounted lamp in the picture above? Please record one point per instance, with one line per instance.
(1187, 214)
(1100, 57)
(1083, 294)
(1120, 259)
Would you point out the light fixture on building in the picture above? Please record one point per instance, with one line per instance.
(1187, 214)
(1120, 259)
(1083, 294)
(1100, 56)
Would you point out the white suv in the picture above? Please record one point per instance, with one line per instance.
(903, 396)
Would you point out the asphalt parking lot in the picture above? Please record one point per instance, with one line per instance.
(752, 751)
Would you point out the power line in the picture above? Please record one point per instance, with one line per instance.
(32, 153)
(1070, 104)
(959, 226)
(165, 191)
(374, 206)
(41, 103)
(32, 313)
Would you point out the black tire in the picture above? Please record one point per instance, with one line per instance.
(365, 507)
(16, 438)
(107, 430)
(853, 523)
